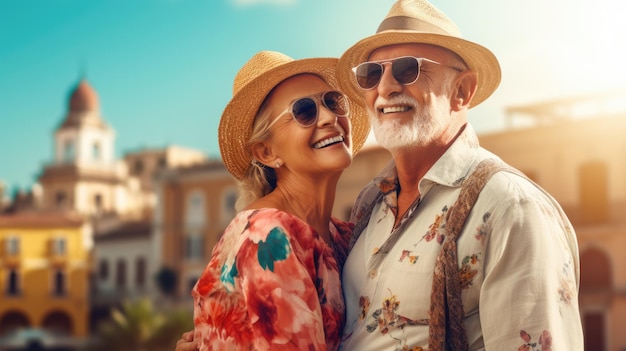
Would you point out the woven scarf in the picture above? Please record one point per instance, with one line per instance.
(446, 326)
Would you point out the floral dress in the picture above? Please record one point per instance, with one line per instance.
(272, 284)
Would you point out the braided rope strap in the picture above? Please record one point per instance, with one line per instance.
(446, 327)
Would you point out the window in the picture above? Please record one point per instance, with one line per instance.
(195, 211)
(194, 245)
(103, 270)
(60, 199)
(138, 167)
(13, 286)
(140, 272)
(68, 151)
(97, 202)
(120, 275)
(13, 246)
(59, 283)
(96, 152)
(162, 163)
(58, 247)
(228, 205)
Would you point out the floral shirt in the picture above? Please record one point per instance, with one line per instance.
(517, 257)
(272, 284)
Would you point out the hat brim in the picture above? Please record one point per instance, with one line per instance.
(478, 58)
(236, 123)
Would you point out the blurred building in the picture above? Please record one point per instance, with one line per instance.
(195, 204)
(44, 272)
(575, 149)
(85, 175)
(113, 197)
(122, 267)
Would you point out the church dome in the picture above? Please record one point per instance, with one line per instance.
(84, 98)
(84, 108)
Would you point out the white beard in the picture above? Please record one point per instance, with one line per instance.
(427, 124)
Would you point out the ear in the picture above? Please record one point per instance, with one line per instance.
(465, 86)
(263, 152)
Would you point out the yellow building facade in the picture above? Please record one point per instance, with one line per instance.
(44, 273)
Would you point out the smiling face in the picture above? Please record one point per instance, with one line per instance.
(416, 114)
(321, 149)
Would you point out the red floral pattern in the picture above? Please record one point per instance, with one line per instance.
(272, 283)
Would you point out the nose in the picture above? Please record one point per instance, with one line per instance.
(388, 85)
(326, 117)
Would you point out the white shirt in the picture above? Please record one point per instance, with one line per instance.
(518, 260)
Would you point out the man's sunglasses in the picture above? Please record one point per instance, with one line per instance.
(305, 110)
(405, 70)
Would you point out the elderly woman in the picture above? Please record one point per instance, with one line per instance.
(273, 281)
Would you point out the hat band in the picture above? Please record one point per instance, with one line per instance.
(409, 23)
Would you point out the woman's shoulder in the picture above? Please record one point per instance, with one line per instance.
(263, 220)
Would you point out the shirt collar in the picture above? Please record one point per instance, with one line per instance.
(450, 170)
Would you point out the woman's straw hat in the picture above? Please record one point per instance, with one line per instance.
(253, 83)
(418, 21)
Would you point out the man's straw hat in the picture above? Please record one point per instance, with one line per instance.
(253, 83)
(418, 21)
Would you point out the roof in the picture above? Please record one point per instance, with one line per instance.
(125, 231)
(40, 219)
(83, 108)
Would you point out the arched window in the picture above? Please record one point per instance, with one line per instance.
(58, 246)
(13, 286)
(13, 246)
(138, 167)
(61, 199)
(140, 272)
(195, 211)
(96, 151)
(103, 270)
(195, 219)
(58, 322)
(120, 275)
(97, 202)
(59, 288)
(68, 151)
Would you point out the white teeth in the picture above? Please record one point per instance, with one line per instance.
(395, 109)
(326, 142)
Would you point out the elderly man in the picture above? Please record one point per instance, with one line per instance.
(419, 276)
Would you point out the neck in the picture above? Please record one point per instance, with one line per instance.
(306, 198)
(412, 163)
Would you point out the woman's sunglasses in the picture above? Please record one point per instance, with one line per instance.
(405, 70)
(305, 110)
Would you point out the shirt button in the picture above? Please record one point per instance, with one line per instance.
(373, 273)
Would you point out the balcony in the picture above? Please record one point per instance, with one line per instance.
(10, 259)
(57, 252)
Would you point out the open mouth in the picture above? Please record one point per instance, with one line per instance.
(327, 142)
(393, 109)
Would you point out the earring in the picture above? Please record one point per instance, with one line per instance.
(278, 165)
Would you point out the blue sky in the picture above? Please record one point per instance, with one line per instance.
(163, 69)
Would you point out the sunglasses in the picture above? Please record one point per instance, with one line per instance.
(305, 110)
(405, 70)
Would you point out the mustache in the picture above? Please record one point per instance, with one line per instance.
(395, 100)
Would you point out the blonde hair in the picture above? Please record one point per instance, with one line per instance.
(258, 180)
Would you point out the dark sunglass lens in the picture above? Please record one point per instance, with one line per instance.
(405, 70)
(305, 111)
(368, 74)
(336, 102)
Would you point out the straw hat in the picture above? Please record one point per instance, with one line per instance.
(418, 21)
(253, 83)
